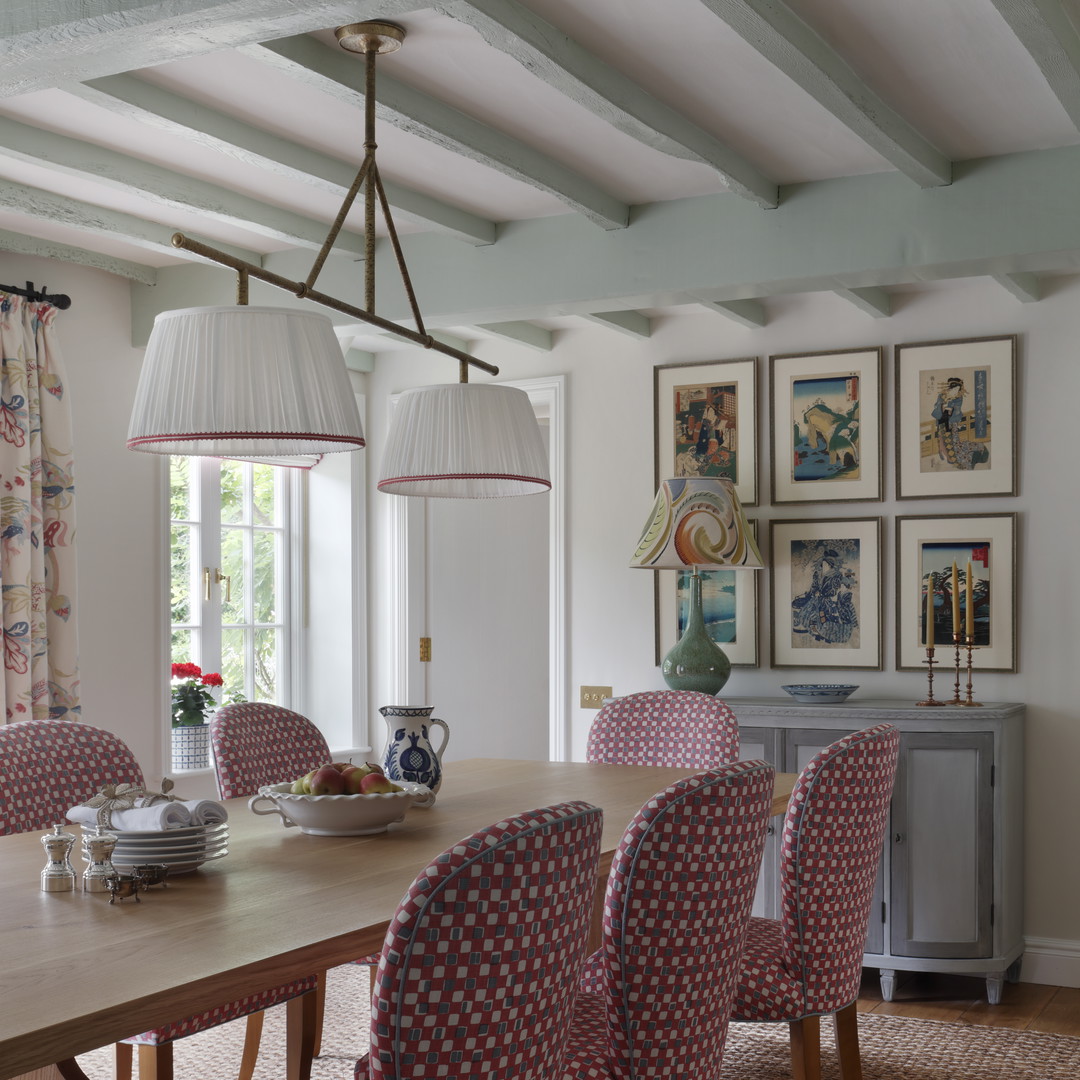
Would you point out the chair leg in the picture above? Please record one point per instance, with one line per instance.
(847, 1042)
(805, 1049)
(123, 1054)
(299, 1036)
(252, 1040)
(320, 1008)
(156, 1062)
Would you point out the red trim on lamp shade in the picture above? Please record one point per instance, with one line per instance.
(463, 476)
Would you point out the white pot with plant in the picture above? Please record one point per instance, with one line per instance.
(192, 703)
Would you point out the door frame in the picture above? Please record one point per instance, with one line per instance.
(407, 534)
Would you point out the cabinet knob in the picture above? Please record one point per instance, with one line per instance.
(898, 838)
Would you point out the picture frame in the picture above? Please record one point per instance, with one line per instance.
(826, 410)
(928, 543)
(827, 593)
(956, 418)
(730, 602)
(705, 422)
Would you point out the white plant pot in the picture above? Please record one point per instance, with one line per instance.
(190, 747)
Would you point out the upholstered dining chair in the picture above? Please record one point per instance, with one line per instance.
(664, 727)
(480, 963)
(676, 910)
(48, 766)
(808, 963)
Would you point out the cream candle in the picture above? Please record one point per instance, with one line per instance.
(955, 599)
(969, 614)
(930, 610)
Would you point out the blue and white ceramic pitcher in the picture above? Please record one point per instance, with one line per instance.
(409, 754)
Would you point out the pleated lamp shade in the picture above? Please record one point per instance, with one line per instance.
(244, 381)
(464, 441)
(696, 521)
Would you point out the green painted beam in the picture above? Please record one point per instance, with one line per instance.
(136, 99)
(22, 244)
(788, 43)
(521, 333)
(875, 302)
(749, 313)
(1027, 288)
(359, 360)
(631, 323)
(336, 72)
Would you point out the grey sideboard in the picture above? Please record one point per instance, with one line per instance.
(950, 889)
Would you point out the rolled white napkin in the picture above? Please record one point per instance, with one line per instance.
(206, 811)
(156, 818)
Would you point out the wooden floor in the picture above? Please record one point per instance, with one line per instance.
(960, 999)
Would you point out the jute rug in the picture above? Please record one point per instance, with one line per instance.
(893, 1048)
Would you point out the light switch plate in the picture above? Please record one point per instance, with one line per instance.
(592, 697)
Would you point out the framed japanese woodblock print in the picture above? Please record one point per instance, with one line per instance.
(826, 593)
(956, 418)
(705, 417)
(826, 426)
(729, 599)
(983, 549)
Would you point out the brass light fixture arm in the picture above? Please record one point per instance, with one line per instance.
(371, 39)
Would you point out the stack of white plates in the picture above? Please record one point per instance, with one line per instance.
(181, 850)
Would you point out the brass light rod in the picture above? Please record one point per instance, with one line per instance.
(300, 289)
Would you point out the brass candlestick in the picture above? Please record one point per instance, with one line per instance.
(930, 661)
(968, 703)
(956, 659)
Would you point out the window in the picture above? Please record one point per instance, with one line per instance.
(231, 579)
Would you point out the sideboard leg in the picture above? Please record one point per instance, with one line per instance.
(888, 983)
(993, 987)
(1012, 972)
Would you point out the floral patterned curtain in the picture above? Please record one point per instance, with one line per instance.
(40, 674)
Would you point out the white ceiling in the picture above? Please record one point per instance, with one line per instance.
(240, 124)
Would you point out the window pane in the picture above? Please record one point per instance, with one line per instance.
(265, 584)
(233, 663)
(266, 664)
(180, 573)
(180, 649)
(180, 488)
(264, 494)
(232, 491)
(232, 566)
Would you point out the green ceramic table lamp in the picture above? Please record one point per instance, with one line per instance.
(696, 522)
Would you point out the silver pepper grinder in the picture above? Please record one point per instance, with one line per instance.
(58, 875)
(98, 848)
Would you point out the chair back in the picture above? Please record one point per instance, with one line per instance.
(676, 912)
(830, 853)
(49, 766)
(481, 962)
(255, 743)
(676, 728)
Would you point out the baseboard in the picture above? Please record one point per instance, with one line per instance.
(1052, 961)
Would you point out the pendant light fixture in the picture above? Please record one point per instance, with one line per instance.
(253, 381)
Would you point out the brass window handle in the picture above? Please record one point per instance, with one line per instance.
(216, 578)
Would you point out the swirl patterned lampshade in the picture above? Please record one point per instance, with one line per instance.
(696, 522)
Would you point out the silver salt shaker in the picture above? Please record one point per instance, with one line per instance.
(98, 848)
(58, 876)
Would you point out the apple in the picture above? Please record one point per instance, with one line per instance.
(299, 787)
(305, 782)
(327, 781)
(377, 784)
(372, 767)
(341, 766)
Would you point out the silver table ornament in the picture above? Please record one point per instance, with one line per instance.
(98, 847)
(58, 876)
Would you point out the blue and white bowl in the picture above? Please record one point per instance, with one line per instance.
(820, 693)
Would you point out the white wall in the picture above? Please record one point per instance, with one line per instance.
(610, 469)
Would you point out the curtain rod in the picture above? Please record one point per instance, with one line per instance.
(58, 300)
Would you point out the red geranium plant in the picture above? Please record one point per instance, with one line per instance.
(190, 696)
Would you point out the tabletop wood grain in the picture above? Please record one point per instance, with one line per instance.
(79, 973)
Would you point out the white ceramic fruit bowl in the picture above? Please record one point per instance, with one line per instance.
(340, 815)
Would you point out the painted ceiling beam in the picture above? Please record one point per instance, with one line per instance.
(51, 42)
(23, 244)
(748, 313)
(333, 71)
(1047, 32)
(359, 360)
(1004, 215)
(789, 44)
(521, 333)
(136, 99)
(163, 187)
(875, 302)
(615, 98)
(632, 323)
(44, 206)
(1027, 288)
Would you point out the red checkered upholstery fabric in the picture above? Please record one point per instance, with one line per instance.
(665, 727)
(255, 744)
(481, 961)
(46, 767)
(809, 962)
(675, 916)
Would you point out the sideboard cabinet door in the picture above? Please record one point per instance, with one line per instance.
(942, 846)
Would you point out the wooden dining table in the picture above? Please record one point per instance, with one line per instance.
(77, 972)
